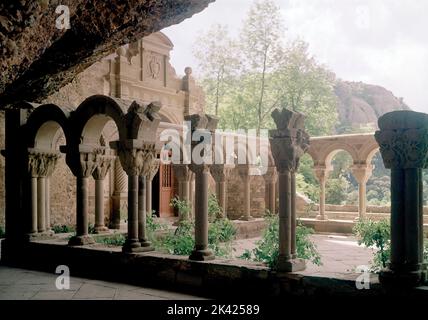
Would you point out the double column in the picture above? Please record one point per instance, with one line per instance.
(40, 166)
(154, 168)
(403, 141)
(184, 175)
(362, 173)
(104, 164)
(321, 173)
(203, 127)
(246, 176)
(288, 143)
(221, 173)
(137, 159)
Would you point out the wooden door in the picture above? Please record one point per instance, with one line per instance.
(166, 190)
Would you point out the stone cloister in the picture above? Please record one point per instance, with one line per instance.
(115, 137)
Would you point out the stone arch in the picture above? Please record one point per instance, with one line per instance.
(335, 148)
(44, 124)
(91, 116)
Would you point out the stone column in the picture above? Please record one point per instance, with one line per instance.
(48, 203)
(221, 173)
(119, 194)
(204, 126)
(245, 174)
(104, 164)
(270, 178)
(154, 168)
(136, 159)
(403, 141)
(362, 173)
(288, 143)
(183, 175)
(89, 160)
(41, 165)
(321, 173)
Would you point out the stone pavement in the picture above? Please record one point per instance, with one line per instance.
(339, 254)
(21, 284)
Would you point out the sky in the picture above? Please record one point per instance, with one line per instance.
(382, 42)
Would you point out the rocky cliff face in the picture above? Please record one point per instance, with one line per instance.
(37, 58)
(362, 104)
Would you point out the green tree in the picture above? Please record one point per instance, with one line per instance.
(267, 75)
(216, 54)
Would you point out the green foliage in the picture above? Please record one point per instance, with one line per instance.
(221, 233)
(246, 78)
(63, 228)
(181, 241)
(215, 211)
(184, 208)
(91, 228)
(267, 250)
(375, 234)
(2, 232)
(115, 240)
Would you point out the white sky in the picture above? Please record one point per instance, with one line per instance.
(383, 42)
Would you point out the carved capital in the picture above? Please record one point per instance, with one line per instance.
(199, 169)
(137, 161)
(104, 164)
(42, 164)
(322, 172)
(271, 175)
(221, 172)
(289, 141)
(154, 168)
(362, 172)
(182, 172)
(89, 161)
(204, 126)
(403, 148)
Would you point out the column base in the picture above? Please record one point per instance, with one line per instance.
(247, 218)
(132, 246)
(319, 217)
(81, 240)
(45, 235)
(101, 229)
(146, 246)
(394, 279)
(290, 264)
(202, 255)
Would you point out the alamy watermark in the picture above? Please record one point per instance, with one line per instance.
(363, 281)
(62, 282)
(241, 147)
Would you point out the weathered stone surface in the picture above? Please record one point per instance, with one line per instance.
(37, 58)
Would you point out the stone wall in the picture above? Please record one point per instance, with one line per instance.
(235, 196)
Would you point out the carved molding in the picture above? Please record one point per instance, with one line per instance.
(403, 148)
(137, 161)
(289, 141)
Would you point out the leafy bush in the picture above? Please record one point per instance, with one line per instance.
(115, 240)
(215, 211)
(181, 241)
(267, 249)
(63, 228)
(2, 232)
(375, 234)
(183, 206)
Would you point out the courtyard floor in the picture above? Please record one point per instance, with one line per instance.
(339, 254)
